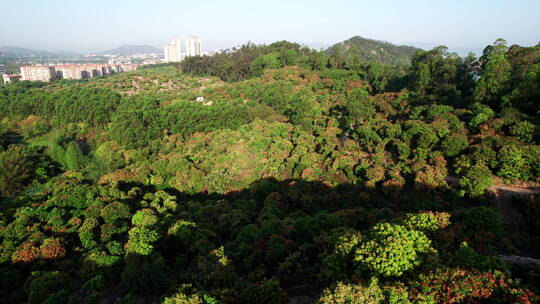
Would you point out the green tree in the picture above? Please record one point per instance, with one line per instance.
(481, 114)
(427, 221)
(513, 163)
(377, 77)
(424, 77)
(523, 130)
(353, 61)
(338, 57)
(288, 57)
(318, 60)
(43, 285)
(439, 76)
(452, 145)
(495, 73)
(476, 180)
(359, 107)
(140, 240)
(74, 158)
(353, 294)
(16, 169)
(267, 61)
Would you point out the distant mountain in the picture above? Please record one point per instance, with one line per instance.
(127, 50)
(67, 54)
(376, 50)
(13, 50)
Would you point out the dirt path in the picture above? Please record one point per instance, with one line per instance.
(504, 195)
(520, 260)
(503, 190)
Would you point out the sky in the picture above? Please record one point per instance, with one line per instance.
(97, 25)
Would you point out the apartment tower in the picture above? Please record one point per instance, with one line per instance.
(193, 46)
(172, 51)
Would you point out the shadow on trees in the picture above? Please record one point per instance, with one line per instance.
(240, 242)
(10, 138)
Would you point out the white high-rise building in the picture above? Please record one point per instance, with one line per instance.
(193, 46)
(172, 51)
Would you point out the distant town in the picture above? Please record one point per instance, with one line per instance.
(49, 67)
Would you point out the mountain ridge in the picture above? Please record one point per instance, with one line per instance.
(132, 49)
(380, 51)
(14, 50)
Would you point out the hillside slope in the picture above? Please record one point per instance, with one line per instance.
(375, 50)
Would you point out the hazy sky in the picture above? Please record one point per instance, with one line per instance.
(96, 25)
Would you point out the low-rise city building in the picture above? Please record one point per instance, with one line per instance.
(8, 78)
(152, 61)
(73, 71)
(38, 73)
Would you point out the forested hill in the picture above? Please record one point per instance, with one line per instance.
(300, 178)
(375, 50)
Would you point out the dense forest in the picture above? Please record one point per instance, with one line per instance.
(300, 176)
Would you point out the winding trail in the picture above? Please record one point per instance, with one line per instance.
(516, 259)
(503, 198)
(503, 190)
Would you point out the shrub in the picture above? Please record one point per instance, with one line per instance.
(396, 294)
(17, 170)
(481, 114)
(145, 273)
(87, 239)
(52, 248)
(265, 291)
(140, 240)
(144, 217)
(186, 294)
(392, 249)
(353, 294)
(455, 285)
(74, 158)
(43, 284)
(115, 248)
(452, 145)
(108, 230)
(183, 230)
(477, 178)
(114, 211)
(513, 163)
(102, 259)
(427, 221)
(182, 298)
(466, 257)
(337, 264)
(481, 227)
(94, 283)
(523, 130)
(27, 252)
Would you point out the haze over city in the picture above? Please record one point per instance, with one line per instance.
(93, 26)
